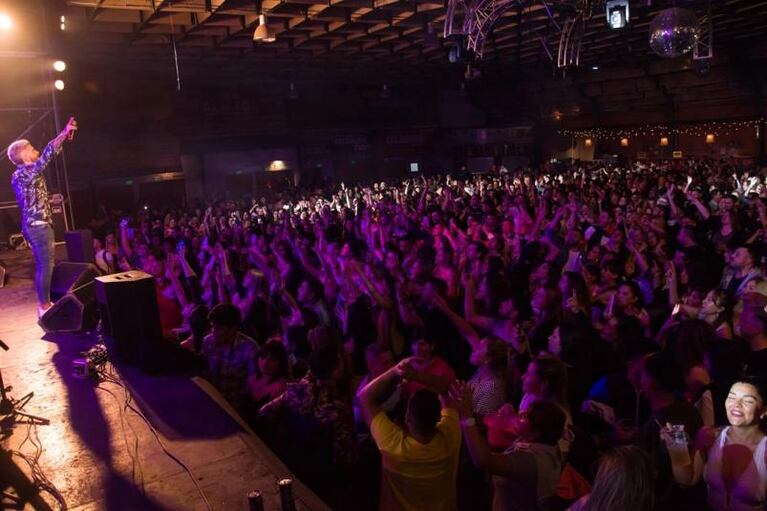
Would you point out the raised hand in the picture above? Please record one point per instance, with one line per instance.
(405, 369)
(70, 128)
(462, 395)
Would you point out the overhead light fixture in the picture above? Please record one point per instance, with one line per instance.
(595, 67)
(277, 166)
(624, 142)
(710, 138)
(617, 13)
(60, 66)
(6, 23)
(664, 141)
(587, 142)
(263, 33)
(59, 84)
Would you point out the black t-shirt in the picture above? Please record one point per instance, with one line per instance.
(668, 494)
(732, 287)
(756, 363)
(449, 344)
(362, 329)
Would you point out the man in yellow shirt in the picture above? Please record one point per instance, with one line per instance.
(420, 461)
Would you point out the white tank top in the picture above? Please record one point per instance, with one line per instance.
(748, 492)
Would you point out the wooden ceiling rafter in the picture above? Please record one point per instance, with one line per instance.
(386, 29)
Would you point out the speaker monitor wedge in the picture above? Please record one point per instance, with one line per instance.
(68, 276)
(73, 312)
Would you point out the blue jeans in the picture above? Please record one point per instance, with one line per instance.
(40, 238)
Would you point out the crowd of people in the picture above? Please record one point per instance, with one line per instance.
(581, 336)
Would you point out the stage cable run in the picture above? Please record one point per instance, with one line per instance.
(108, 374)
(39, 479)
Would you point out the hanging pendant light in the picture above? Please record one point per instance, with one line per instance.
(263, 33)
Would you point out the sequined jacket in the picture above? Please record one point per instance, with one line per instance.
(31, 189)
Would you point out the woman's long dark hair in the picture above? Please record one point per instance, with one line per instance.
(553, 372)
(624, 482)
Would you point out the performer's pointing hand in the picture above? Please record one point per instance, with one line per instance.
(70, 128)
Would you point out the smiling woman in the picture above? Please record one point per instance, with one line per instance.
(732, 460)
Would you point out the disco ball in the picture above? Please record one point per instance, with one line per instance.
(673, 32)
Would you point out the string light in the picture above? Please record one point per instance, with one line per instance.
(716, 128)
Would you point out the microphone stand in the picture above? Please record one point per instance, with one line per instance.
(10, 407)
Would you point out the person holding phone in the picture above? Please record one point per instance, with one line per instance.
(31, 192)
(731, 460)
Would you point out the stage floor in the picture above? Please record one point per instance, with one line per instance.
(97, 452)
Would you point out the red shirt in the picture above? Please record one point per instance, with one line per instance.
(170, 311)
(435, 367)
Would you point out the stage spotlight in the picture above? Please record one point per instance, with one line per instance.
(6, 23)
(617, 13)
(60, 66)
(63, 23)
(59, 84)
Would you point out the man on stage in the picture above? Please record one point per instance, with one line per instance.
(32, 193)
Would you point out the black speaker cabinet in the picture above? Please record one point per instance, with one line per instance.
(80, 246)
(73, 312)
(68, 276)
(130, 317)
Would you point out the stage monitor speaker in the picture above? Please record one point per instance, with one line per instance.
(69, 276)
(131, 318)
(80, 246)
(73, 312)
(3, 274)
